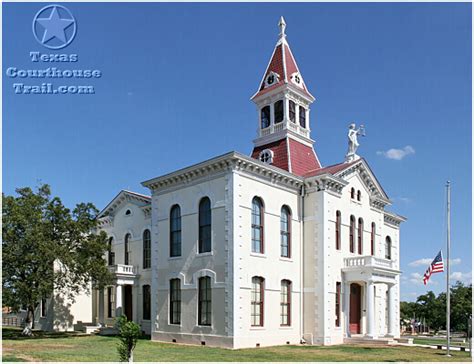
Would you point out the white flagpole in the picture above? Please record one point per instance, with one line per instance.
(448, 244)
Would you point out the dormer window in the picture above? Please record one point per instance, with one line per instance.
(266, 156)
(278, 106)
(265, 117)
(296, 79)
(272, 79)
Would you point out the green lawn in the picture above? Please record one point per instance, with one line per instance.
(441, 341)
(69, 347)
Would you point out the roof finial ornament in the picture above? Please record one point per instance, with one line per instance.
(282, 26)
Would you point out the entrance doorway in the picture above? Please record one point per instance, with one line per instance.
(127, 302)
(355, 308)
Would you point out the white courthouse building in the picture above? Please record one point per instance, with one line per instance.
(268, 249)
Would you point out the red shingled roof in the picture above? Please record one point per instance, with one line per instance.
(300, 160)
(282, 63)
(329, 169)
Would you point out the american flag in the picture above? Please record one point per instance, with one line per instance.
(436, 266)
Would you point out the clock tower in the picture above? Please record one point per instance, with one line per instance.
(283, 100)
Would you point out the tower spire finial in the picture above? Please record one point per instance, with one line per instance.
(282, 26)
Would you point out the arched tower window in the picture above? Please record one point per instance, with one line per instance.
(352, 192)
(285, 232)
(205, 225)
(351, 234)
(265, 117)
(257, 226)
(278, 110)
(302, 117)
(388, 248)
(175, 231)
(292, 110)
(358, 195)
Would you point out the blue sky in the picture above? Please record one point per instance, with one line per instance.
(175, 90)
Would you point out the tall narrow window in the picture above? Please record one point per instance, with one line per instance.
(372, 239)
(360, 236)
(146, 302)
(351, 234)
(257, 225)
(175, 231)
(353, 192)
(338, 230)
(285, 303)
(110, 253)
(285, 232)
(278, 106)
(175, 301)
(265, 117)
(257, 301)
(126, 259)
(110, 302)
(358, 195)
(205, 301)
(43, 307)
(338, 304)
(292, 110)
(388, 248)
(302, 117)
(146, 249)
(205, 225)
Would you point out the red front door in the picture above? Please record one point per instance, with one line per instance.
(354, 310)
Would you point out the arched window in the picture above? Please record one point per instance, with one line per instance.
(292, 111)
(175, 301)
(351, 234)
(358, 195)
(175, 231)
(257, 226)
(126, 259)
(257, 301)
(265, 117)
(205, 301)
(285, 303)
(360, 236)
(285, 232)
(338, 230)
(146, 302)
(302, 117)
(388, 248)
(372, 240)
(110, 253)
(266, 156)
(278, 110)
(352, 192)
(205, 225)
(146, 249)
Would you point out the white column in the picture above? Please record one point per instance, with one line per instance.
(118, 301)
(101, 308)
(392, 322)
(347, 299)
(272, 114)
(370, 312)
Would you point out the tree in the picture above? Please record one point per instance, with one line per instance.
(461, 306)
(433, 309)
(129, 335)
(49, 249)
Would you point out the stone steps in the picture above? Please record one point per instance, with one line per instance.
(366, 340)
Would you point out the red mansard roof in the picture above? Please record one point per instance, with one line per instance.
(290, 155)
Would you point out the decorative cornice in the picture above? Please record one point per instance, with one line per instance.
(224, 163)
(326, 182)
(393, 219)
(122, 197)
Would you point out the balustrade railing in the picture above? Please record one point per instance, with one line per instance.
(368, 261)
(123, 269)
